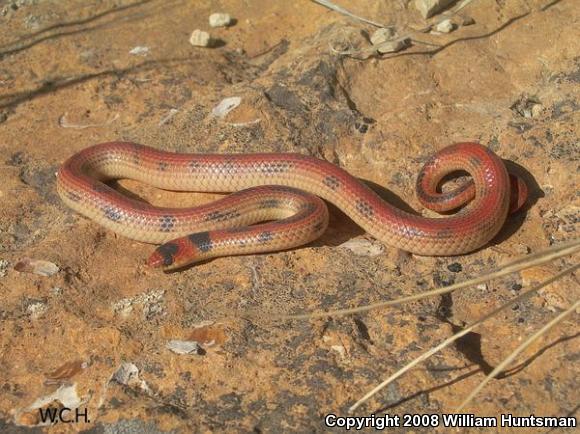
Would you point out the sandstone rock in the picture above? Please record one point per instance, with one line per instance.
(220, 20)
(225, 106)
(445, 26)
(183, 347)
(393, 46)
(382, 35)
(199, 38)
(428, 8)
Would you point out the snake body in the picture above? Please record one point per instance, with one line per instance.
(284, 190)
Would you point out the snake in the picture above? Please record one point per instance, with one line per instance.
(277, 201)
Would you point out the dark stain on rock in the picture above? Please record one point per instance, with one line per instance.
(285, 98)
(42, 180)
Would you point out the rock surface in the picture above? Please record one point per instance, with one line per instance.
(428, 8)
(445, 26)
(199, 38)
(219, 20)
(380, 119)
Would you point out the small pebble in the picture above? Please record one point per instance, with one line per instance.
(183, 347)
(125, 373)
(382, 35)
(199, 38)
(36, 266)
(140, 51)
(225, 106)
(393, 46)
(220, 20)
(455, 267)
(339, 349)
(36, 310)
(537, 110)
(445, 26)
(128, 375)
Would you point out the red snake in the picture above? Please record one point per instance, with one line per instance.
(282, 190)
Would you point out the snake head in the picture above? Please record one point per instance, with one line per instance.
(181, 252)
(171, 255)
(164, 256)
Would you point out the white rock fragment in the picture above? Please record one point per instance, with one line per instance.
(339, 349)
(140, 50)
(128, 375)
(36, 310)
(225, 106)
(183, 347)
(363, 247)
(36, 266)
(428, 8)
(220, 20)
(125, 373)
(445, 26)
(393, 46)
(199, 38)
(67, 395)
(537, 110)
(382, 35)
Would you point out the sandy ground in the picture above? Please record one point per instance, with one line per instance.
(94, 334)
